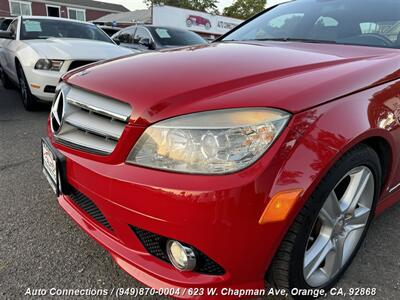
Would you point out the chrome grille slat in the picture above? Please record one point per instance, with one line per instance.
(86, 140)
(95, 124)
(101, 105)
(91, 122)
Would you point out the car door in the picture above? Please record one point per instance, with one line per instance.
(141, 36)
(9, 48)
(125, 38)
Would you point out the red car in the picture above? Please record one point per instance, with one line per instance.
(264, 166)
(198, 21)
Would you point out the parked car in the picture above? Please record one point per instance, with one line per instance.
(262, 157)
(4, 23)
(198, 21)
(148, 37)
(110, 30)
(36, 51)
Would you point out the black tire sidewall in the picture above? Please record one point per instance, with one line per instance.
(361, 156)
(29, 102)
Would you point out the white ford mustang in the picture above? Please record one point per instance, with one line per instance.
(36, 51)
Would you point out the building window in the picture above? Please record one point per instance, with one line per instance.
(77, 14)
(53, 11)
(20, 8)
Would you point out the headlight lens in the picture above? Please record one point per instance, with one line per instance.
(49, 64)
(215, 142)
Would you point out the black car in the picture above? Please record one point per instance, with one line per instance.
(149, 37)
(4, 23)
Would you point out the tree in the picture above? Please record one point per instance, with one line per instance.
(244, 9)
(209, 6)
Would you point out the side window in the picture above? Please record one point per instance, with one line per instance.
(126, 36)
(4, 25)
(325, 28)
(142, 34)
(13, 27)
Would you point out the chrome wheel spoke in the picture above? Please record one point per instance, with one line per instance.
(358, 220)
(335, 261)
(355, 190)
(331, 210)
(350, 242)
(316, 255)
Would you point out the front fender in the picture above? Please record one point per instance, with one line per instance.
(320, 136)
(27, 56)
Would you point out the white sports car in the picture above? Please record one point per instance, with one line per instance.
(36, 51)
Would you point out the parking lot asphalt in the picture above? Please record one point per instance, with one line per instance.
(41, 248)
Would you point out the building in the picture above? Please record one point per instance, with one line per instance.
(209, 26)
(83, 10)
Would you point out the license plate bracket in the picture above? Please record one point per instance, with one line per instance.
(54, 167)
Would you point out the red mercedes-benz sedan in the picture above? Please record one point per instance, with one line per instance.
(259, 159)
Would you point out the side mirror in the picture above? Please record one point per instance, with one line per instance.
(6, 35)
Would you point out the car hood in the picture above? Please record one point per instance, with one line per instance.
(289, 76)
(71, 49)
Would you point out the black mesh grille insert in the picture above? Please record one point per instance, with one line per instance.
(90, 208)
(156, 246)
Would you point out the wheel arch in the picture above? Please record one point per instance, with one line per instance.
(17, 65)
(385, 153)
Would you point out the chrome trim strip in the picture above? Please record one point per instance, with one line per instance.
(81, 147)
(98, 110)
(394, 188)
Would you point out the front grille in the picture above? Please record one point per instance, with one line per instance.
(90, 208)
(156, 245)
(79, 63)
(91, 122)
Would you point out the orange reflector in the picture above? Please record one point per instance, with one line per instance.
(35, 86)
(279, 207)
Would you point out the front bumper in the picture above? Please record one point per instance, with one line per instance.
(217, 215)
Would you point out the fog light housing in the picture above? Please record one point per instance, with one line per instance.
(182, 257)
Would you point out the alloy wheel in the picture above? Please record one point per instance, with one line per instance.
(23, 90)
(339, 227)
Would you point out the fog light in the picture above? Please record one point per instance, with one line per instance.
(182, 257)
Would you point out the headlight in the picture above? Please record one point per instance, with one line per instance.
(215, 142)
(49, 64)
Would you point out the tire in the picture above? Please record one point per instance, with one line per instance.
(189, 23)
(208, 26)
(28, 100)
(292, 265)
(7, 84)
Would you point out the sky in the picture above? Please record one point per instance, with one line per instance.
(138, 4)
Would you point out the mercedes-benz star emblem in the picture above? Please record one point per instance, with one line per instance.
(57, 113)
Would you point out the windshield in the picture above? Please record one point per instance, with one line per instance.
(32, 29)
(175, 37)
(355, 22)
